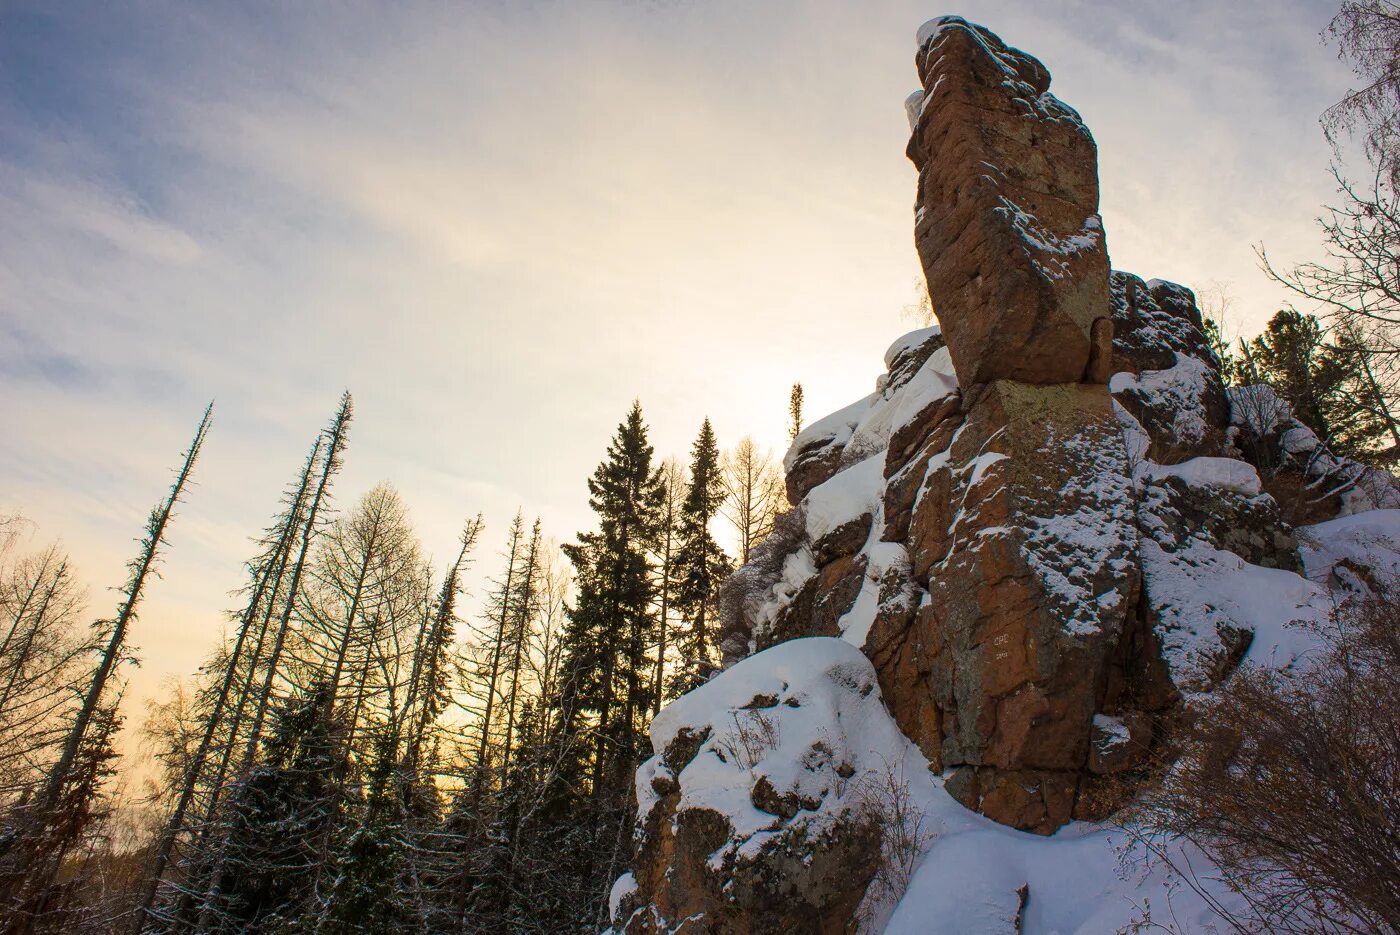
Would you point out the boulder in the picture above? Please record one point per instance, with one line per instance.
(756, 817)
(1165, 374)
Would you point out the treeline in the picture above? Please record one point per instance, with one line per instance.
(1333, 380)
(362, 752)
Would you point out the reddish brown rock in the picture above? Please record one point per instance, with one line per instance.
(1024, 539)
(1168, 378)
(1007, 221)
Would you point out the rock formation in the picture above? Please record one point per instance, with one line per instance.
(1007, 223)
(1049, 522)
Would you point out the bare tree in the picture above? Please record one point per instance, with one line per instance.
(920, 311)
(44, 664)
(754, 493)
(1367, 35)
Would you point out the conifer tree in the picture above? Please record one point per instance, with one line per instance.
(795, 411)
(612, 623)
(213, 850)
(366, 896)
(430, 687)
(1324, 384)
(140, 568)
(50, 826)
(336, 436)
(223, 715)
(523, 614)
(607, 691)
(280, 814)
(700, 563)
(496, 642)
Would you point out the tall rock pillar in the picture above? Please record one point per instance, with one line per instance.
(1007, 220)
(1021, 535)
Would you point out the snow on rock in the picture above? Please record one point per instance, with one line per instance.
(910, 342)
(834, 429)
(849, 495)
(815, 692)
(793, 746)
(900, 402)
(913, 107)
(918, 369)
(800, 728)
(1211, 605)
(1265, 429)
(771, 766)
(623, 890)
(933, 27)
(1355, 552)
(882, 559)
(1171, 403)
(1223, 473)
(1071, 549)
(797, 569)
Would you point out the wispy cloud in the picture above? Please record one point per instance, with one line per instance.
(498, 223)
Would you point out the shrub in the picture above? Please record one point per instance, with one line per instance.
(1290, 781)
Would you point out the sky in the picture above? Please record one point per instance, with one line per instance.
(498, 223)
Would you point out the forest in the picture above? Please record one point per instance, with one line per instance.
(359, 754)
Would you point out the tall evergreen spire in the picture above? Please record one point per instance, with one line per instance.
(700, 564)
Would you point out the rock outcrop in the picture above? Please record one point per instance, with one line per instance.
(1007, 220)
(1004, 568)
(755, 818)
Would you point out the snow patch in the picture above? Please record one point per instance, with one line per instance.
(911, 341)
(822, 733)
(1219, 473)
(1369, 540)
(834, 429)
(849, 495)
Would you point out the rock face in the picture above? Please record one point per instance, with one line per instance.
(1007, 220)
(1023, 544)
(1003, 568)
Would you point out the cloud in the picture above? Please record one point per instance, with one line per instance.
(499, 223)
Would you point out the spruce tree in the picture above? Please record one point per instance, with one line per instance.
(795, 411)
(279, 816)
(239, 664)
(495, 641)
(613, 619)
(201, 893)
(700, 563)
(607, 673)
